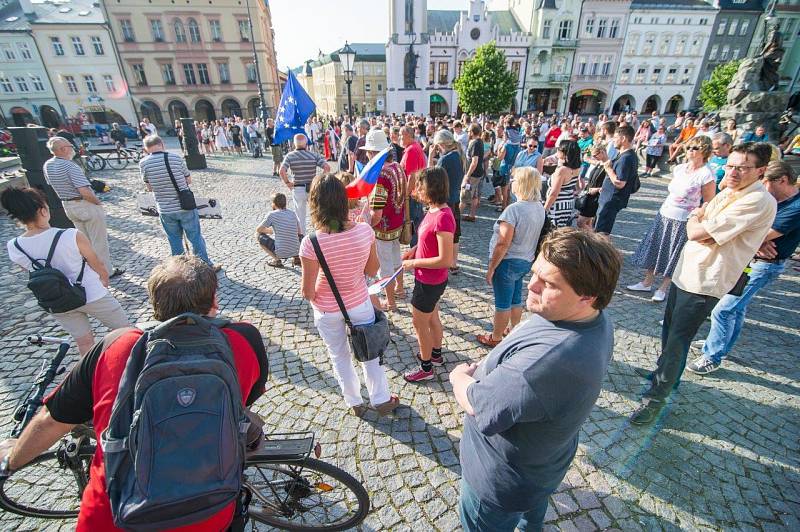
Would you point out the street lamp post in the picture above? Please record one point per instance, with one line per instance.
(347, 56)
(262, 107)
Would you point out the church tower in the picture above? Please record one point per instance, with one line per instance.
(407, 55)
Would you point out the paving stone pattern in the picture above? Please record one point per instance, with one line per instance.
(723, 456)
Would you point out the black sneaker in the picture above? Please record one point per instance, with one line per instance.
(646, 413)
(702, 366)
(644, 373)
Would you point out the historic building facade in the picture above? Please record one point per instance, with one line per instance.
(26, 94)
(78, 53)
(195, 58)
(601, 33)
(731, 34)
(324, 81)
(426, 50)
(661, 56)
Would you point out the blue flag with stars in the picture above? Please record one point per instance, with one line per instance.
(295, 108)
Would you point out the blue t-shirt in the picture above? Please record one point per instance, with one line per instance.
(451, 162)
(531, 396)
(527, 159)
(626, 166)
(787, 222)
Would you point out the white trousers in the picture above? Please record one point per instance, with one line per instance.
(300, 196)
(333, 331)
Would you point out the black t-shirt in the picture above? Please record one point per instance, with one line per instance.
(236, 131)
(270, 133)
(344, 161)
(475, 150)
(73, 403)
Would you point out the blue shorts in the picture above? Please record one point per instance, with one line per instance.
(507, 283)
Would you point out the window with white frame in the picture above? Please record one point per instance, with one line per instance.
(640, 74)
(565, 30)
(9, 53)
(687, 21)
(194, 31)
(91, 86)
(168, 74)
(72, 86)
(649, 43)
(250, 68)
(695, 48)
(601, 28)
(726, 50)
(24, 50)
(671, 73)
(139, 74)
(687, 75)
(593, 70)
(38, 84)
(723, 26)
(582, 65)
(613, 31)
(607, 66)
(224, 72)
(655, 76)
(108, 79)
(546, 27)
(703, 22)
(712, 54)
(244, 30)
(22, 84)
(216, 30)
(157, 29)
(666, 43)
(589, 27)
(97, 45)
(202, 73)
(5, 83)
(625, 75)
(744, 27)
(680, 46)
(735, 54)
(188, 74)
(180, 30)
(633, 44)
(733, 26)
(127, 30)
(653, 20)
(77, 45)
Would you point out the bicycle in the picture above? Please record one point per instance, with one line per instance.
(285, 486)
(91, 161)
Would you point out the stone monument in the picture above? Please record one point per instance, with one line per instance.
(753, 98)
(194, 159)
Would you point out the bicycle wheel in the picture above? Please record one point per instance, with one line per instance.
(95, 162)
(117, 160)
(45, 488)
(313, 495)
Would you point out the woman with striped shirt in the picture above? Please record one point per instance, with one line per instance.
(349, 251)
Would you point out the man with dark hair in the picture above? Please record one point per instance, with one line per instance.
(727, 318)
(471, 185)
(279, 234)
(724, 234)
(179, 284)
(525, 403)
(621, 177)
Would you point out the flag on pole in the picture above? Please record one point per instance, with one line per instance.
(367, 176)
(295, 108)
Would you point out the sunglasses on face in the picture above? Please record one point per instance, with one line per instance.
(694, 148)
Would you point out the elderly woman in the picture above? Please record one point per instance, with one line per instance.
(659, 250)
(349, 251)
(512, 249)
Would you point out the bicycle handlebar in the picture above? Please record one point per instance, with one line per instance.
(37, 339)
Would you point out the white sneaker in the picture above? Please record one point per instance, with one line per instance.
(639, 287)
(659, 296)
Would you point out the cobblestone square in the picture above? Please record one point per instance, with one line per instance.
(725, 455)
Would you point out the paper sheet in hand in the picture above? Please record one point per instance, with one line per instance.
(376, 287)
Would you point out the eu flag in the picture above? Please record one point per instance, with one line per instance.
(295, 108)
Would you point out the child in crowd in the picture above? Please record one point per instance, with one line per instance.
(280, 234)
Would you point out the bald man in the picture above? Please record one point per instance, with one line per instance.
(302, 164)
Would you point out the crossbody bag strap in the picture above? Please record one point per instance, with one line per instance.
(34, 262)
(169, 170)
(324, 265)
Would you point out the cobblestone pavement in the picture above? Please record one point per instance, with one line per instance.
(723, 456)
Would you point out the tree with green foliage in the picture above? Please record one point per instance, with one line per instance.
(485, 84)
(714, 90)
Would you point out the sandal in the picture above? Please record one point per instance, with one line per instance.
(389, 406)
(487, 340)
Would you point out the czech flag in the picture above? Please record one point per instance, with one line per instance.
(367, 176)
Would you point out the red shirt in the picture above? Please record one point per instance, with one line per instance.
(441, 221)
(552, 136)
(413, 159)
(95, 513)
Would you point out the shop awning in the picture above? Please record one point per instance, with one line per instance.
(435, 98)
(589, 92)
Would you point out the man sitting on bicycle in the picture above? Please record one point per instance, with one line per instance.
(118, 136)
(179, 284)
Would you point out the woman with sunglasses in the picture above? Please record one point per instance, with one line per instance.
(660, 248)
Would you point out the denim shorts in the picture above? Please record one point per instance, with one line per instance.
(507, 283)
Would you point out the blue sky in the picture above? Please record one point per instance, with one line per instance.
(303, 27)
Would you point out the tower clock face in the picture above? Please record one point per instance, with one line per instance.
(475, 33)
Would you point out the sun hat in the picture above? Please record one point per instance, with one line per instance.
(375, 141)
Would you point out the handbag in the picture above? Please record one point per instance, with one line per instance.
(407, 232)
(367, 342)
(738, 288)
(186, 196)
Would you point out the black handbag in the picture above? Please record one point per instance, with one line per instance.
(368, 342)
(186, 196)
(738, 288)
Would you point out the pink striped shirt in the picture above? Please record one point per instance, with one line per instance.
(346, 254)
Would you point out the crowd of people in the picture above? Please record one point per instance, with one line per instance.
(728, 226)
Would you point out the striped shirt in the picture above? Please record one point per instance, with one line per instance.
(303, 165)
(286, 229)
(346, 254)
(66, 177)
(154, 172)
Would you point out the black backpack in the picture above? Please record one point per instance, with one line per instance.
(50, 286)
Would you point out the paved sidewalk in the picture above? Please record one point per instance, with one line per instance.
(726, 454)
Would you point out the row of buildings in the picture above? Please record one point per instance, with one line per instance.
(568, 55)
(88, 61)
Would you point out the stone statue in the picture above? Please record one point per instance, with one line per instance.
(410, 69)
(772, 54)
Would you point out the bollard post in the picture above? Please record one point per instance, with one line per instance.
(194, 159)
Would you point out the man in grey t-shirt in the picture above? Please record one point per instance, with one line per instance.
(526, 401)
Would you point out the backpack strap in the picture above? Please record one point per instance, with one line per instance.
(53, 248)
(324, 265)
(34, 262)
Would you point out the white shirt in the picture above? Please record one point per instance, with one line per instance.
(685, 191)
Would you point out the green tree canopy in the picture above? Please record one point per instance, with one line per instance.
(714, 90)
(485, 84)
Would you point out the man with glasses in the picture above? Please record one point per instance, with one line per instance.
(727, 318)
(724, 234)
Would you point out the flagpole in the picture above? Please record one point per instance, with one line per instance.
(262, 105)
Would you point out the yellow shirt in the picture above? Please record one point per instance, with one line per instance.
(738, 221)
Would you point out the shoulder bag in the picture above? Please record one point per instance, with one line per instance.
(186, 196)
(367, 342)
